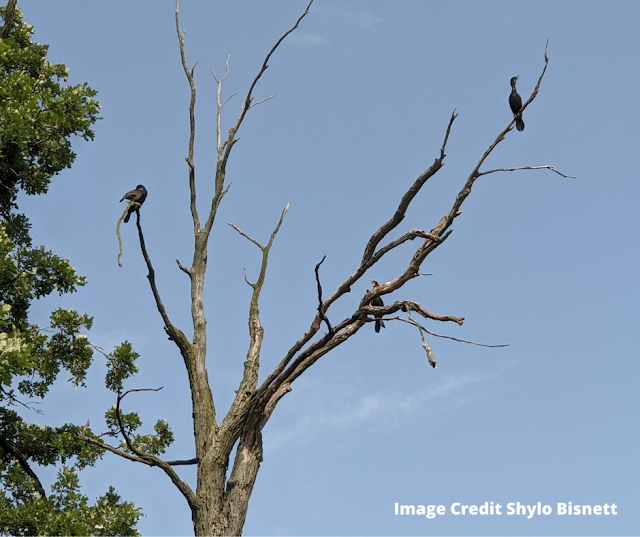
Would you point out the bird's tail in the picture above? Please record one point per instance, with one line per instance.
(519, 123)
(126, 218)
(379, 324)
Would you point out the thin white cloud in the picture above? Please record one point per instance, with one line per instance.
(376, 407)
(367, 19)
(306, 39)
(348, 13)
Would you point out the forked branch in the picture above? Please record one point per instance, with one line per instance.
(249, 380)
(304, 353)
(246, 104)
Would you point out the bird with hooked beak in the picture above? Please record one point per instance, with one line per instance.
(515, 102)
(138, 195)
(377, 302)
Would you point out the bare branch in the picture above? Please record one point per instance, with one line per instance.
(220, 105)
(448, 218)
(9, 448)
(246, 279)
(289, 368)
(249, 380)
(368, 259)
(414, 233)
(228, 99)
(224, 149)
(407, 199)
(425, 345)
(262, 101)
(430, 332)
(192, 121)
(126, 210)
(537, 88)
(183, 268)
(246, 105)
(245, 235)
(150, 459)
(99, 349)
(185, 462)
(454, 115)
(14, 400)
(174, 333)
(283, 390)
(114, 450)
(119, 417)
(320, 310)
(406, 306)
(545, 167)
(277, 228)
(121, 397)
(225, 74)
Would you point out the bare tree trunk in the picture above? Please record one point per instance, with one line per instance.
(219, 505)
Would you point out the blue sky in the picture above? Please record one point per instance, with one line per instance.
(364, 91)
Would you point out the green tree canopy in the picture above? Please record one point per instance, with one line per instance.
(38, 115)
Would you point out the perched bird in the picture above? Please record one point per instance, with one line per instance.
(515, 102)
(138, 195)
(377, 302)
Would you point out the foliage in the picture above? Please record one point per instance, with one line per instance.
(120, 366)
(66, 512)
(38, 115)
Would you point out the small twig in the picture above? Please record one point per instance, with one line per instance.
(225, 74)
(246, 104)
(227, 100)
(545, 167)
(425, 345)
(246, 279)
(537, 88)
(126, 210)
(13, 400)
(262, 101)
(140, 390)
(99, 349)
(431, 333)
(220, 105)
(246, 236)
(183, 268)
(454, 115)
(414, 233)
(320, 310)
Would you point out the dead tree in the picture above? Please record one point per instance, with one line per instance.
(219, 504)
